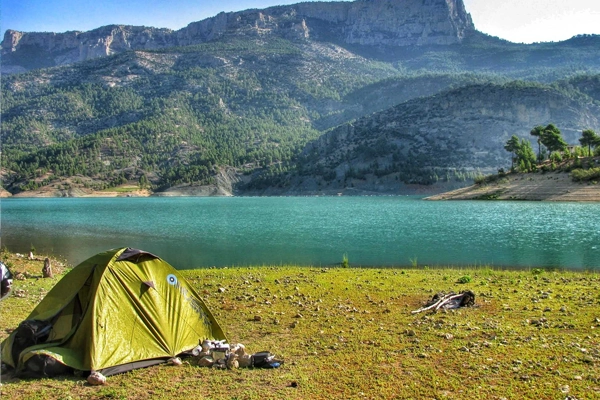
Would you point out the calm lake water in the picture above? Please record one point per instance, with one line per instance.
(371, 231)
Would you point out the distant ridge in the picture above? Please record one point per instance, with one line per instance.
(362, 22)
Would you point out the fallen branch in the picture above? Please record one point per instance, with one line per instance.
(449, 301)
(428, 307)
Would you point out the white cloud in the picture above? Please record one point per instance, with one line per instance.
(535, 20)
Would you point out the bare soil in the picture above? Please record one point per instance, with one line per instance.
(554, 186)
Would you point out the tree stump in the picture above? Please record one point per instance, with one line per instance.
(47, 270)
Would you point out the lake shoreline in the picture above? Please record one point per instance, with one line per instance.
(524, 187)
(549, 186)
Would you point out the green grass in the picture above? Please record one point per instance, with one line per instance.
(348, 333)
(122, 189)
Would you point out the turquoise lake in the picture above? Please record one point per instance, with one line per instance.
(191, 232)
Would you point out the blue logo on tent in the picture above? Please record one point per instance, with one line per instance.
(172, 279)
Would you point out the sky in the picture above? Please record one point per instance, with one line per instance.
(521, 21)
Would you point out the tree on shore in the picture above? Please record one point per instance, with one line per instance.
(537, 132)
(512, 146)
(552, 139)
(143, 182)
(525, 156)
(589, 139)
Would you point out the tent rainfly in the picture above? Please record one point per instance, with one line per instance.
(118, 310)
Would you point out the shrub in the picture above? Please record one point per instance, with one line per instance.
(556, 157)
(464, 279)
(537, 271)
(582, 175)
(345, 263)
(479, 179)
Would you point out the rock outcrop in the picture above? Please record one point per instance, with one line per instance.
(23, 51)
(362, 22)
(424, 141)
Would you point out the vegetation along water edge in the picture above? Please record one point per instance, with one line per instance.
(558, 172)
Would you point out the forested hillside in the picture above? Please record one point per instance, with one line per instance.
(453, 136)
(268, 104)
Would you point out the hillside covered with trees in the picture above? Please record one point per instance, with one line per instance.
(290, 114)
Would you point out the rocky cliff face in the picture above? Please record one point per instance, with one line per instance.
(24, 51)
(407, 22)
(419, 141)
(363, 22)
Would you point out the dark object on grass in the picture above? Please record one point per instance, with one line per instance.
(47, 270)
(29, 333)
(43, 366)
(449, 301)
(265, 359)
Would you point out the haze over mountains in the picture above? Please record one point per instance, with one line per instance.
(356, 97)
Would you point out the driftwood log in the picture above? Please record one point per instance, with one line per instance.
(449, 301)
(47, 270)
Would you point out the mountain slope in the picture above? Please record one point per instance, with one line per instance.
(450, 136)
(241, 95)
(179, 113)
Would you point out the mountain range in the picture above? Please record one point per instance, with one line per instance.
(384, 96)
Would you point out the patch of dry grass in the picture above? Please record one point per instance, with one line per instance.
(349, 334)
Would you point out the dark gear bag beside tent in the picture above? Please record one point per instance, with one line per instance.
(117, 311)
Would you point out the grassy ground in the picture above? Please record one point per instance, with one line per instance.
(348, 333)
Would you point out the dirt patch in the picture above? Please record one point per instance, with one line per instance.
(555, 186)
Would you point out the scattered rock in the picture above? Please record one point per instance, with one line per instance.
(206, 362)
(232, 361)
(96, 378)
(244, 360)
(175, 361)
(47, 270)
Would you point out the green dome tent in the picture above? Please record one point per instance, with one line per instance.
(117, 311)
